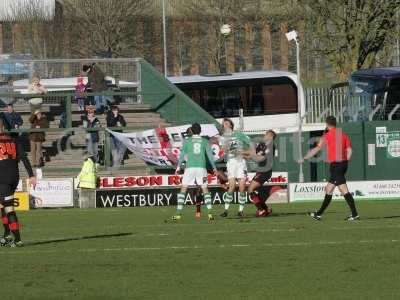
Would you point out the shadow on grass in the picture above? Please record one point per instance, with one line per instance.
(381, 218)
(279, 215)
(80, 238)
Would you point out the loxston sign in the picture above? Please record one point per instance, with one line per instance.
(361, 190)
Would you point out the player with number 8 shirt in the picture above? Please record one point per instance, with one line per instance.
(196, 152)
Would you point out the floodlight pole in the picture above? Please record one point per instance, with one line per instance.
(300, 118)
(164, 38)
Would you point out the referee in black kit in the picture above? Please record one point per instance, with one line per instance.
(11, 152)
(339, 150)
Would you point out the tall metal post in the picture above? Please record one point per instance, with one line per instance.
(300, 118)
(68, 112)
(165, 38)
(107, 149)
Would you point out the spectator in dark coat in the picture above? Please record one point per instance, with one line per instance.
(38, 121)
(12, 119)
(115, 119)
(97, 83)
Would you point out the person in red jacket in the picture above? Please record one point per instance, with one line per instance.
(339, 151)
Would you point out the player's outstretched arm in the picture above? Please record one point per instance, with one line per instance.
(210, 158)
(181, 158)
(349, 152)
(313, 151)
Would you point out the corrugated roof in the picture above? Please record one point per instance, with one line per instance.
(233, 76)
(379, 72)
(195, 8)
(26, 10)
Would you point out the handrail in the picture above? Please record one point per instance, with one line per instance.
(72, 93)
(371, 115)
(390, 116)
(79, 129)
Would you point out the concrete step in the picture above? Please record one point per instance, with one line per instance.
(131, 120)
(67, 163)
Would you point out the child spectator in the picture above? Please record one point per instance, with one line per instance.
(80, 89)
(36, 88)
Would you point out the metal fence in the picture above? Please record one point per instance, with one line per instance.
(62, 75)
(321, 101)
(126, 71)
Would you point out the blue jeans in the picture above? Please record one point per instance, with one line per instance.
(118, 151)
(99, 102)
(93, 149)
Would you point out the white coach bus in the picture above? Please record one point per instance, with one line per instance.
(256, 100)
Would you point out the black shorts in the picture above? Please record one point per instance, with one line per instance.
(262, 177)
(337, 171)
(7, 191)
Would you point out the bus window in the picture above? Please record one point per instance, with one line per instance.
(280, 98)
(219, 102)
(257, 97)
(271, 99)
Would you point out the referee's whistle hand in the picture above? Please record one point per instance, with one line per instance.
(33, 182)
(300, 161)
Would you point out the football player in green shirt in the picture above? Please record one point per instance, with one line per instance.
(234, 143)
(196, 151)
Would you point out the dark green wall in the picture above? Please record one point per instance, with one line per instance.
(362, 134)
(385, 167)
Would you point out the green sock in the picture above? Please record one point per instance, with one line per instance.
(181, 201)
(207, 201)
(242, 201)
(228, 198)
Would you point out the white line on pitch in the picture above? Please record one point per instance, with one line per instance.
(265, 245)
(255, 231)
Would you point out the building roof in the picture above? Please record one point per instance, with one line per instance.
(26, 10)
(379, 72)
(233, 76)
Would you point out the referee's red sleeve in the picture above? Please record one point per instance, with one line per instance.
(347, 142)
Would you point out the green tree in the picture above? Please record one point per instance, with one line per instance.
(105, 25)
(351, 33)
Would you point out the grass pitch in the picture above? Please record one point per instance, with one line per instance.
(133, 254)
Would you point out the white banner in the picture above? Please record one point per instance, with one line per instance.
(365, 190)
(161, 146)
(278, 178)
(53, 193)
